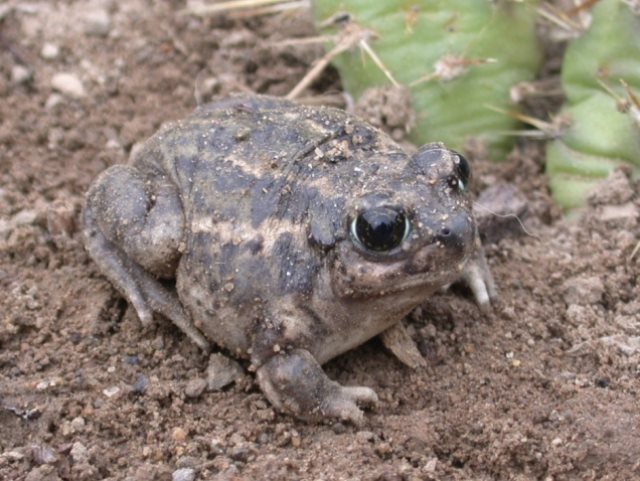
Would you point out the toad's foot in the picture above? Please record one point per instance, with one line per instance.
(397, 340)
(477, 276)
(294, 382)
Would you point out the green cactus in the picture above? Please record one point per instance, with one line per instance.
(601, 135)
(471, 52)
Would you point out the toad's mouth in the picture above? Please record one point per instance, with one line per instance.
(427, 270)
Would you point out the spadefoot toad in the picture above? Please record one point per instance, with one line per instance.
(293, 234)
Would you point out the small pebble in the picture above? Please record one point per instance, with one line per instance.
(216, 446)
(20, 74)
(14, 454)
(24, 217)
(383, 449)
(239, 453)
(222, 371)
(78, 424)
(339, 428)
(179, 435)
(50, 51)
(431, 465)
(111, 391)
(365, 436)
(132, 360)
(79, 453)
(61, 218)
(43, 454)
(68, 84)
(53, 101)
(140, 386)
(96, 22)
(184, 474)
(195, 387)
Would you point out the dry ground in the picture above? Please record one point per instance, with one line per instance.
(545, 388)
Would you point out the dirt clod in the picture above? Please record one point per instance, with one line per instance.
(222, 371)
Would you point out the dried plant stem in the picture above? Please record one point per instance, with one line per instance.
(202, 9)
(352, 35)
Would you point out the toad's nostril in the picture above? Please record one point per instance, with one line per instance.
(456, 232)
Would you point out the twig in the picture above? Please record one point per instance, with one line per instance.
(200, 9)
(351, 36)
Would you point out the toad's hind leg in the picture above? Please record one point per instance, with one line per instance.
(133, 228)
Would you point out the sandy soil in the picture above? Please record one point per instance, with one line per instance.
(544, 388)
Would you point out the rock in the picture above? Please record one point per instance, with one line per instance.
(140, 386)
(43, 454)
(111, 391)
(50, 51)
(79, 453)
(43, 473)
(583, 290)
(216, 446)
(20, 75)
(96, 22)
(365, 436)
(195, 388)
(14, 455)
(78, 424)
(53, 101)
(179, 435)
(68, 84)
(61, 218)
(339, 428)
(222, 371)
(24, 217)
(184, 474)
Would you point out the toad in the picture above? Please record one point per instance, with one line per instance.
(285, 235)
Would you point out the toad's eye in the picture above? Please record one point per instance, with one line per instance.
(381, 229)
(460, 179)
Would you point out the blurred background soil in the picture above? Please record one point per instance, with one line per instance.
(543, 388)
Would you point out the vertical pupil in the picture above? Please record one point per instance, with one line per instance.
(380, 229)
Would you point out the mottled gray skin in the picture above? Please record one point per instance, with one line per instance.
(248, 205)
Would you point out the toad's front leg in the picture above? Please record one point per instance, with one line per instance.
(133, 227)
(294, 382)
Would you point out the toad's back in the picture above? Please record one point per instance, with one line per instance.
(258, 157)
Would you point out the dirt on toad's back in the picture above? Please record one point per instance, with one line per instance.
(542, 388)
